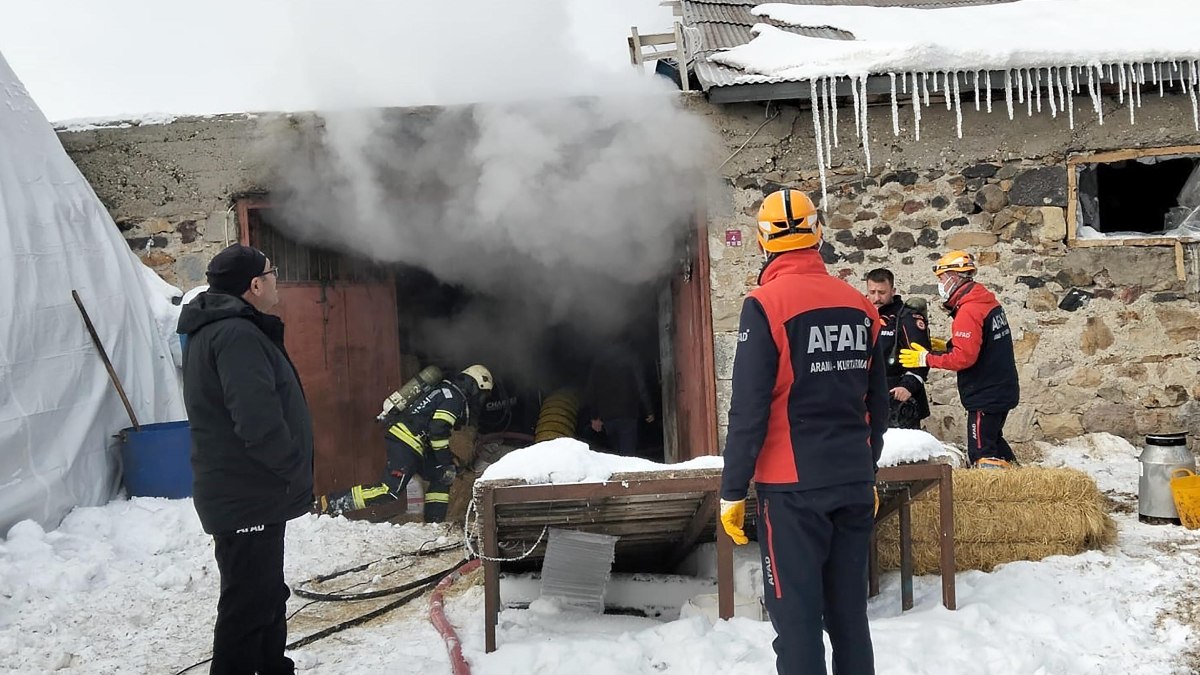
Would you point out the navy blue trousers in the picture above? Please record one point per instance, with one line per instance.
(985, 436)
(251, 627)
(815, 545)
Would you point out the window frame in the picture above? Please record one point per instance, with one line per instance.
(1104, 157)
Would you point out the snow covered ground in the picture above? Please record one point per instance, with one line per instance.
(130, 587)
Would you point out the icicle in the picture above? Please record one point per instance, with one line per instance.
(987, 86)
(925, 88)
(947, 87)
(895, 107)
(829, 103)
(1029, 93)
(1130, 81)
(916, 105)
(1171, 74)
(954, 91)
(1051, 79)
(1097, 104)
(833, 87)
(934, 88)
(1121, 83)
(1141, 80)
(904, 82)
(975, 84)
(814, 103)
(1069, 101)
(1158, 79)
(1037, 88)
(866, 127)
(1192, 94)
(854, 95)
(1008, 94)
(1020, 85)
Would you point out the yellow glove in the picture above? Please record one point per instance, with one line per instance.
(914, 356)
(937, 344)
(876, 490)
(733, 519)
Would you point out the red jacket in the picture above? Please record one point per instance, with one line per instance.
(981, 350)
(810, 397)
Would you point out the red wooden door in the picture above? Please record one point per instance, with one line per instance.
(695, 397)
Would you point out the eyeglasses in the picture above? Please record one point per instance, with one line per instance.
(273, 270)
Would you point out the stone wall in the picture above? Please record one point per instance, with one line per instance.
(170, 187)
(1125, 360)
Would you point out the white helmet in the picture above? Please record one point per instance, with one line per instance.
(481, 375)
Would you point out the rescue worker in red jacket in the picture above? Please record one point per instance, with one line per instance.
(981, 351)
(806, 421)
(418, 443)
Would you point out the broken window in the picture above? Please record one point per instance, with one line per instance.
(1138, 196)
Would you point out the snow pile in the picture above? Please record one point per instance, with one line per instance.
(904, 446)
(1111, 460)
(1031, 49)
(131, 587)
(566, 460)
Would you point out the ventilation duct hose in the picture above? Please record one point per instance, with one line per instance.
(558, 416)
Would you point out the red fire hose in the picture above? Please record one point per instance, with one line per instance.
(437, 615)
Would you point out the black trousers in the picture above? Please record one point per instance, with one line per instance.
(251, 628)
(985, 436)
(622, 435)
(815, 546)
(403, 462)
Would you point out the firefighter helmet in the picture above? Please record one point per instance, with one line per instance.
(955, 261)
(787, 221)
(481, 375)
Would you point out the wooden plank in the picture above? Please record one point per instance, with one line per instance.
(1141, 241)
(1180, 269)
(906, 555)
(491, 570)
(1102, 157)
(1072, 203)
(946, 523)
(558, 492)
(725, 602)
(701, 520)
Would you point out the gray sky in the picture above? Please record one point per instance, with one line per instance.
(86, 59)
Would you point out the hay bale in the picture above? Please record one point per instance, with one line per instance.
(1026, 513)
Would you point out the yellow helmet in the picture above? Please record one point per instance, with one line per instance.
(787, 221)
(955, 261)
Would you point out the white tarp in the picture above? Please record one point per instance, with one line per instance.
(58, 410)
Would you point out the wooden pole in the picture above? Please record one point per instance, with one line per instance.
(112, 374)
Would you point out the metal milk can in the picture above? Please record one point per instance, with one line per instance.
(1162, 454)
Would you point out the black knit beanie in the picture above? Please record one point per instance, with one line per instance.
(232, 270)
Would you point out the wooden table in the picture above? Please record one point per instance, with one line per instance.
(662, 515)
(898, 486)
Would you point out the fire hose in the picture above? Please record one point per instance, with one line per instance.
(437, 615)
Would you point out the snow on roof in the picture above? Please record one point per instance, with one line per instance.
(1025, 34)
(566, 460)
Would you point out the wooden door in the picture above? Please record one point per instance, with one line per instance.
(694, 396)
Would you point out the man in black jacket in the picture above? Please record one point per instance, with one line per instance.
(902, 325)
(252, 453)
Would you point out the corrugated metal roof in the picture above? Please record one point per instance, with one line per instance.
(724, 24)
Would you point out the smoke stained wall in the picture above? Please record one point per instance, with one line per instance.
(552, 191)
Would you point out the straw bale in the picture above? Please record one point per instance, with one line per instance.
(1026, 513)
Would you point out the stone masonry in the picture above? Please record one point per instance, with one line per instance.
(1106, 337)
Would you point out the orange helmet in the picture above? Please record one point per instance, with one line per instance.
(955, 261)
(787, 221)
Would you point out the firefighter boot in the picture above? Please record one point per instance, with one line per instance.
(991, 463)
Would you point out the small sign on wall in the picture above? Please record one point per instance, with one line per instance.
(733, 237)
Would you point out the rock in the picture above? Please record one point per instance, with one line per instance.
(912, 206)
(967, 205)
(1095, 337)
(868, 242)
(847, 207)
(157, 226)
(1113, 418)
(901, 242)
(1162, 397)
(1041, 300)
(1019, 426)
(854, 257)
(991, 198)
(125, 224)
(828, 254)
(187, 231)
(1084, 376)
(1060, 426)
(157, 259)
(1179, 323)
(1044, 186)
(138, 243)
(1054, 224)
(881, 229)
(215, 228)
(891, 211)
(190, 269)
(1074, 277)
(987, 258)
(865, 215)
(980, 171)
(971, 240)
(955, 222)
(928, 238)
(840, 223)
(939, 202)
(923, 290)
(1032, 282)
(913, 223)
(1112, 393)
(1167, 297)
(1024, 348)
(1129, 294)
(1007, 171)
(901, 177)
(844, 237)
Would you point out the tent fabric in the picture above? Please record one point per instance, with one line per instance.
(59, 412)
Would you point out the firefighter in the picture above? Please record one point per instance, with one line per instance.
(418, 442)
(806, 421)
(903, 323)
(981, 351)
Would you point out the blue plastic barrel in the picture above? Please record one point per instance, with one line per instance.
(157, 460)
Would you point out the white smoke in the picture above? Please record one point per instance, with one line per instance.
(552, 190)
